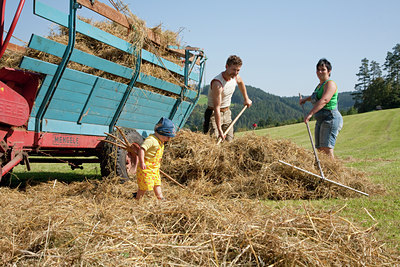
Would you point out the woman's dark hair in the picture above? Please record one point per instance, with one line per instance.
(324, 62)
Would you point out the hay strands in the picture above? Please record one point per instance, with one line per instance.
(232, 123)
(124, 144)
(323, 178)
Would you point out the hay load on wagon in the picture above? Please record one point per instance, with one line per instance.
(155, 40)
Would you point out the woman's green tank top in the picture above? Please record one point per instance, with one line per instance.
(332, 104)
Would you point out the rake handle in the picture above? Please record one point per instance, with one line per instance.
(172, 179)
(232, 123)
(312, 143)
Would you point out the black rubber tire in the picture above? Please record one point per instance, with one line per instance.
(6, 179)
(113, 158)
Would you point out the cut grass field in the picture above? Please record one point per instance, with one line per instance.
(369, 142)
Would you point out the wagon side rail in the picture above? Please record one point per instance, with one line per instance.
(75, 102)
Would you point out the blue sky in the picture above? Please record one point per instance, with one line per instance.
(279, 41)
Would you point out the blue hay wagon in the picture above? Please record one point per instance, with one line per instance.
(71, 110)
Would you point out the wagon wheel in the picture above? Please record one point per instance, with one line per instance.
(115, 161)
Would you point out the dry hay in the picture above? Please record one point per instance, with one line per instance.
(98, 223)
(248, 167)
(10, 59)
(212, 222)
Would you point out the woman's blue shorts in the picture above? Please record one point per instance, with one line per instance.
(328, 125)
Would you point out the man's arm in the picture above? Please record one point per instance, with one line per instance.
(216, 90)
(242, 88)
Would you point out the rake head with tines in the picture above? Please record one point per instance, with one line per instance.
(124, 144)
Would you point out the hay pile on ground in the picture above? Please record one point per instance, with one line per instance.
(216, 220)
(97, 223)
(248, 167)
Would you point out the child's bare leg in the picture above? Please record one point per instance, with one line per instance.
(157, 192)
(139, 194)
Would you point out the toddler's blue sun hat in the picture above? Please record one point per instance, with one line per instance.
(166, 127)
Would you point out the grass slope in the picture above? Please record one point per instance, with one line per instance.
(369, 142)
(202, 100)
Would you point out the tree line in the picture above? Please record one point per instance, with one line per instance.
(378, 86)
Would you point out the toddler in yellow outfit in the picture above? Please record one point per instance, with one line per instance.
(150, 156)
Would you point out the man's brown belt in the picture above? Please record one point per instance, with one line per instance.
(221, 109)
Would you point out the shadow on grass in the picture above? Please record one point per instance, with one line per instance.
(22, 180)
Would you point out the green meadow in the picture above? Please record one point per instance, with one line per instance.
(369, 142)
(202, 100)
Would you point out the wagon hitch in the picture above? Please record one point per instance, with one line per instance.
(11, 164)
(3, 147)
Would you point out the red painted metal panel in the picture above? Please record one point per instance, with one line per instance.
(24, 83)
(14, 109)
(20, 137)
(69, 140)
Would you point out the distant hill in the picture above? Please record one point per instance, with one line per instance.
(267, 110)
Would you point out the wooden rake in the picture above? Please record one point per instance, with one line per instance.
(318, 162)
(131, 148)
(231, 125)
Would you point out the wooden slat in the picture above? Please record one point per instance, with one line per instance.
(59, 126)
(103, 103)
(148, 99)
(76, 86)
(147, 126)
(16, 48)
(150, 57)
(133, 104)
(40, 94)
(74, 75)
(166, 86)
(126, 117)
(57, 49)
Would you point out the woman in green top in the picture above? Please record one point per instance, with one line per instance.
(325, 108)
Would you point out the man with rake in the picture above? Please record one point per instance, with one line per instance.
(218, 115)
